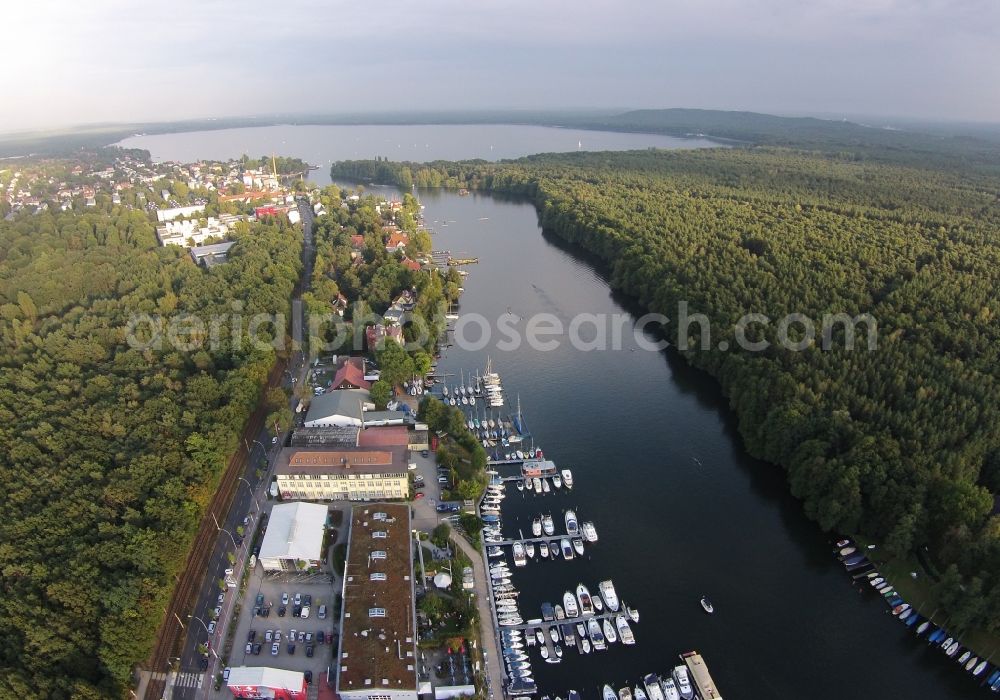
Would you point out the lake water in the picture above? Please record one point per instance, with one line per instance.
(681, 509)
(322, 145)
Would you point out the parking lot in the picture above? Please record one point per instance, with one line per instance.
(289, 601)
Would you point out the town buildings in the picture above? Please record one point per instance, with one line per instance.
(347, 474)
(264, 682)
(294, 537)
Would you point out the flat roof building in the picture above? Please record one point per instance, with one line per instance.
(266, 682)
(377, 654)
(294, 534)
(345, 474)
(338, 408)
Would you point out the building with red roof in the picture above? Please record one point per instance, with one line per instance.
(351, 375)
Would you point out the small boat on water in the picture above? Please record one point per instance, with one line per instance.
(545, 486)
(624, 631)
(494, 552)
(640, 694)
(598, 603)
(980, 668)
(567, 478)
(557, 481)
(595, 634)
(607, 591)
(875, 582)
(567, 548)
(965, 656)
(520, 485)
(683, 683)
(529, 549)
(652, 683)
(536, 527)
(554, 633)
(608, 694)
(669, 689)
(585, 645)
(624, 693)
(560, 613)
(706, 605)
(572, 527)
(632, 613)
(548, 612)
(554, 549)
(589, 532)
(583, 597)
(520, 558)
(923, 627)
(569, 603)
(609, 631)
(536, 484)
(953, 649)
(548, 527)
(540, 636)
(971, 663)
(578, 546)
(543, 550)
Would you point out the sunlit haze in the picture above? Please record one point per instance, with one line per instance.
(115, 61)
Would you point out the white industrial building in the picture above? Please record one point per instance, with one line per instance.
(178, 212)
(294, 535)
(342, 408)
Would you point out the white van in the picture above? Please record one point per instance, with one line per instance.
(305, 612)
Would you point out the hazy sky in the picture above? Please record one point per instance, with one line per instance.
(73, 61)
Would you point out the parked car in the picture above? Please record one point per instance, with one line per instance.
(216, 611)
(268, 636)
(249, 648)
(274, 649)
(309, 651)
(308, 674)
(256, 649)
(225, 674)
(291, 635)
(284, 599)
(277, 635)
(320, 637)
(222, 597)
(291, 648)
(309, 636)
(307, 599)
(305, 611)
(298, 599)
(260, 599)
(425, 453)
(296, 611)
(322, 613)
(211, 627)
(203, 663)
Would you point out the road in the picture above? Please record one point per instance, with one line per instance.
(190, 682)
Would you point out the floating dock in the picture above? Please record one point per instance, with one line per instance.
(700, 677)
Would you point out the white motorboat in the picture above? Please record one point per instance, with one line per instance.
(669, 689)
(683, 683)
(567, 548)
(540, 636)
(545, 486)
(586, 602)
(608, 694)
(545, 652)
(554, 633)
(706, 605)
(536, 484)
(520, 485)
(609, 631)
(519, 455)
(585, 645)
(558, 650)
(581, 629)
(543, 550)
(876, 581)
(589, 532)
(952, 650)
(569, 603)
(624, 693)
(572, 527)
(536, 527)
(557, 481)
(971, 663)
(607, 590)
(640, 694)
(595, 634)
(624, 631)
(548, 527)
(520, 558)
(598, 604)
(567, 478)
(652, 683)
(633, 614)
(578, 546)
(529, 549)
(560, 613)
(554, 549)
(494, 552)
(965, 656)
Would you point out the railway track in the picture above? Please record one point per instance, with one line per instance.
(170, 634)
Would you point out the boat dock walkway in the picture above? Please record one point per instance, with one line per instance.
(546, 539)
(545, 626)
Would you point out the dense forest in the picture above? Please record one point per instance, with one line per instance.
(900, 444)
(111, 452)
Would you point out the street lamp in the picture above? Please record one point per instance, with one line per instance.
(222, 529)
(252, 495)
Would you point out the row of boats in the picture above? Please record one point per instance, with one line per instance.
(486, 387)
(857, 563)
(676, 686)
(541, 484)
